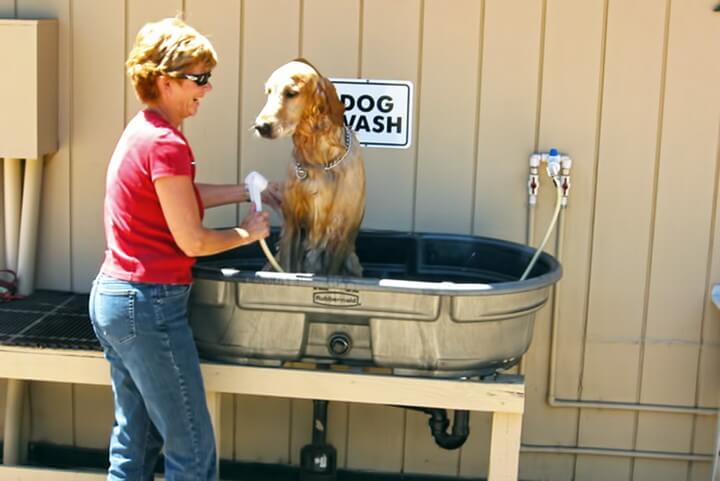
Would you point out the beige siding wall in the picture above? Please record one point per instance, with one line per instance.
(628, 89)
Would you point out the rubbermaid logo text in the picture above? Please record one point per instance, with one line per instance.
(326, 297)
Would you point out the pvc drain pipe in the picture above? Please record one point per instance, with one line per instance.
(625, 453)
(29, 222)
(12, 187)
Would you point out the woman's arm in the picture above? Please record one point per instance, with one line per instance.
(177, 200)
(214, 195)
(220, 194)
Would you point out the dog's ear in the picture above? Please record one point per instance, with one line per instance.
(326, 109)
(307, 62)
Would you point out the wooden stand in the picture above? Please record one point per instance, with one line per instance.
(505, 399)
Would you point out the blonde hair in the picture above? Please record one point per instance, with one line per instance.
(165, 47)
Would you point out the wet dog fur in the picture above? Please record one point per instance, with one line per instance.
(324, 210)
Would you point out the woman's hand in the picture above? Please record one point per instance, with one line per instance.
(180, 207)
(255, 225)
(273, 195)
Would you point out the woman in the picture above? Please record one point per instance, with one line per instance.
(153, 228)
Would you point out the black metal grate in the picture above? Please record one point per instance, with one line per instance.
(49, 319)
(78, 305)
(40, 301)
(12, 323)
(62, 331)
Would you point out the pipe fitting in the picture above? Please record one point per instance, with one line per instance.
(566, 164)
(533, 186)
(534, 179)
(439, 424)
(553, 163)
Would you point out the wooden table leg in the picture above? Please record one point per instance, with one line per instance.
(505, 446)
(14, 447)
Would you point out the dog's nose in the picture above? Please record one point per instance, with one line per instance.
(264, 129)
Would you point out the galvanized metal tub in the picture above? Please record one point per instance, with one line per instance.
(436, 305)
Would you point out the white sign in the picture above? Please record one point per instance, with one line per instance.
(379, 111)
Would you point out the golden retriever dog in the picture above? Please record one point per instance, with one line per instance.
(324, 197)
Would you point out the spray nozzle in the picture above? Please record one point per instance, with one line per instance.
(256, 183)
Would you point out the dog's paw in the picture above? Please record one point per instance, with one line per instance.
(353, 266)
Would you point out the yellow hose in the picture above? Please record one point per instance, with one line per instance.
(558, 204)
(270, 257)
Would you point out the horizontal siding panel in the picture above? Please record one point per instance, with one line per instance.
(96, 125)
(447, 123)
(47, 399)
(658, 470)
(475, 453)
(367, 425)
(3, 396)
(669, 374)
(7, 8)
(93, 421)
(322, 40)
(688, 171)
(700, 471)
(138, 13)
(213, 132)
(391, 172)
(664, 432)
(569, 116)
(688, 159)
(704, 434)
(227, 418)
(573, 35)
(709, 376)
(625, 195)
(603, 468)
(636, 111)
(612, 370)
(268, 40)
(262, 429)
(421, 454)
(507, 120)
(54, 228)
(602, 428)
(554, 467)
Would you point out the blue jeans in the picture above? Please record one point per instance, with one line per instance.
(157, 385)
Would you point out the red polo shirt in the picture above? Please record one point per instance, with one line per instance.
(140, 247)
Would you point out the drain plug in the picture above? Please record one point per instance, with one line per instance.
(339, 344)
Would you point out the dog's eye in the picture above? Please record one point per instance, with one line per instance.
(290, 94)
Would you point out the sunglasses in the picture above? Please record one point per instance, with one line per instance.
(200, 79)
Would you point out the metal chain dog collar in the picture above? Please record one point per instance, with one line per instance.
(301, 172)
